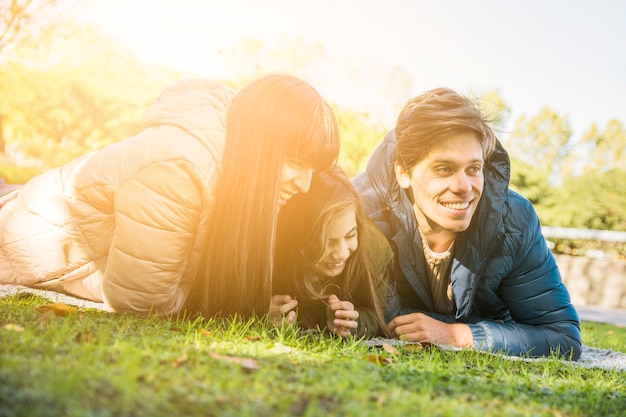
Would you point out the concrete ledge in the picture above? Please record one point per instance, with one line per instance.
(594, 282)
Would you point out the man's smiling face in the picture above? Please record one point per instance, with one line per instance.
(447, 184)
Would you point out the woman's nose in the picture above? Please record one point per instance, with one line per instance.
(303, 179)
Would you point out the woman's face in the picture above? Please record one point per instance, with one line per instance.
(295, 177)
(342, 242)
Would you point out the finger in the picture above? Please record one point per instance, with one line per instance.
(343, 332)
(402, 320)
(291, 317)
(340, 305)
(281, 299)
(347, 314)
(287, 307)
(348, 324)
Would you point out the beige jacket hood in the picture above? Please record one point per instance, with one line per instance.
(124, 225)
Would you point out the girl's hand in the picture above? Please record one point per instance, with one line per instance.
(341, 316)
(282, 308)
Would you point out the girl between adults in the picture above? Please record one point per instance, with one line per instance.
(181, 216)
(331, 261)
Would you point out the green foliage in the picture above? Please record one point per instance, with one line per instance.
(529, 182)
(58, 105)
(594, 201)
(495, 109)
(96, 363)
(359, 138)
(19, 20)
(543, 142)
(12, 174)
(603, 151)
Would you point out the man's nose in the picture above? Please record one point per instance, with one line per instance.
(462, 183)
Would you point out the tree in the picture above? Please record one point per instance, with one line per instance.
(543, 142)
(603, 151)
(59, 104)
(21, 19)
(593, 201)
(495, 108)
(529, 182)
(359, 138)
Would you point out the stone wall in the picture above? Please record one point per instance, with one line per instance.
(594, 281)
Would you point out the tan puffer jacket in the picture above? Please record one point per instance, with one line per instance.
(124, 225)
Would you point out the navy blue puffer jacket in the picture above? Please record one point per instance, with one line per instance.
(505, 281)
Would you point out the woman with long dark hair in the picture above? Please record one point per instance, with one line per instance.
(182, 216)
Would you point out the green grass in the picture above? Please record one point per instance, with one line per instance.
(91, 363)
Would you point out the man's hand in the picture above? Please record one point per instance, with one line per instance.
(282, 308)
(419, 327)
(341, 316)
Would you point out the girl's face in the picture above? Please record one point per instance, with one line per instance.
(295, 177)
(342, 242)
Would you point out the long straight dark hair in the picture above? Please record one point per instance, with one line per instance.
(301, 243)
(273, 118)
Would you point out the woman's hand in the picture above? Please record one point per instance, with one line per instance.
(282, 308)
(341, 316)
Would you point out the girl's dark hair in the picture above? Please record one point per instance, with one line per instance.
(301, 243)
(273, 118)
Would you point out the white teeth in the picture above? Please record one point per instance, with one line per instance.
(285, 196)
(456, 206)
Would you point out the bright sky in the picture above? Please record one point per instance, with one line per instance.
(567, 54)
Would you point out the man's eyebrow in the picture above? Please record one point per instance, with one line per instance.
(448, 161)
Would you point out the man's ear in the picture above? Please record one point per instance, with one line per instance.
(402, 176)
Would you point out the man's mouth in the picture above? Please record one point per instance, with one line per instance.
(457, 206)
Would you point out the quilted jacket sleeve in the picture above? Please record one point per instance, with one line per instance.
(543, 320)
(156, 217)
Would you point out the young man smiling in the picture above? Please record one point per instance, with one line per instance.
(472, 269)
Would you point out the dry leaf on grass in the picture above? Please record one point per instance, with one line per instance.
(180, 360)
(390, 349)
(58, 309)
(378, 359)
(413, 347)
(248, 364)
(14, 327)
